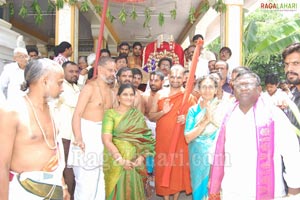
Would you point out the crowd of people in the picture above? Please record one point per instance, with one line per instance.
(68, 132)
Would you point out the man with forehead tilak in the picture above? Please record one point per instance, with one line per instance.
(156, 82)
(165, 111)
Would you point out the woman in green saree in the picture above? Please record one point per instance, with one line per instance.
(127, 141)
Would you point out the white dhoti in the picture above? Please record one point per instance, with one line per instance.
(88, 165)
(152, 126)
(26, 192)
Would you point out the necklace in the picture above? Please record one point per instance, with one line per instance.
(40, 126)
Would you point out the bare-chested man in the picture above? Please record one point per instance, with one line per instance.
(31, 151)
(156, 82)
(125, 75)
(94, 99)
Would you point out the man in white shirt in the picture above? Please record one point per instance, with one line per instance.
(258, 138)
(12, 76)
(66, 106)
(276, 95)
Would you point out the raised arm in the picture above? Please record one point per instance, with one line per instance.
(154, 114)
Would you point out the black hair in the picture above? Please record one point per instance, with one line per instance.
(295, 47)
(61, 47)
(196, 37)
(105, 51)
(158, 73)
(124, 44)
(136, 71)
(121, 70)
(68, 62)
(32, 49)
(120, 57)
(165, 59)
(125, 86)
(137, 44)
(226, 49)
(271, 79)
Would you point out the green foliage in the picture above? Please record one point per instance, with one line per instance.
(98, 8)
(133, 14)
(161, 19)
(173, 13)
(219, 6)
(73, 2)
(192, 12)
(84, 7)
(147, 17)
(60, 4)
(274, 65)
(11, 8)
(51, 6)
(36, 8)
(109, 16)
(205, 6)
(23, 10)
(215, 45)
(122, 15)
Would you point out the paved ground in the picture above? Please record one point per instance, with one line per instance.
(182, 196)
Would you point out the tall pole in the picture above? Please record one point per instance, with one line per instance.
(101, 30)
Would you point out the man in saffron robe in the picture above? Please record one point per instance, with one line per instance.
(248, 163)
(165, 112)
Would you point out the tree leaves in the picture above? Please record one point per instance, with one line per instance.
(110, 17)
(192, 12)
(23, 10)
(133, 14)
(161, 19)
(36, 8)
(219, 6)
(98, 8)
(60, 4)
(173, 13)
(11, 8)
(84, 7)
(147, 13)
(122, 15)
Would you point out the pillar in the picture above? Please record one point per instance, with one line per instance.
(66, 27)
(232, 30)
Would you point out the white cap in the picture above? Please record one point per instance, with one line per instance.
(20, 50)
(91, 58)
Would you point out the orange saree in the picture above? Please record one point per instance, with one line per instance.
(180, 172)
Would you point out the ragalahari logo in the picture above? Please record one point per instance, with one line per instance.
(280, 5)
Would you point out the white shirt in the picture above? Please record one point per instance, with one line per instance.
(11, 80)
(239, 180)
(66, 106)
(278, 97)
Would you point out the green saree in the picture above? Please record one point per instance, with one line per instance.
(132, 137)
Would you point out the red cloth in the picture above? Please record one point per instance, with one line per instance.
(166, 49)
(180, 173)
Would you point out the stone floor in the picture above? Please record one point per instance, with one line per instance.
(182, 196)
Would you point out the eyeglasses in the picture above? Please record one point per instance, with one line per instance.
(294, 64)
(207, 87)
(23, 56)
(244, 86)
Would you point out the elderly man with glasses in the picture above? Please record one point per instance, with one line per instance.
(12, 76)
